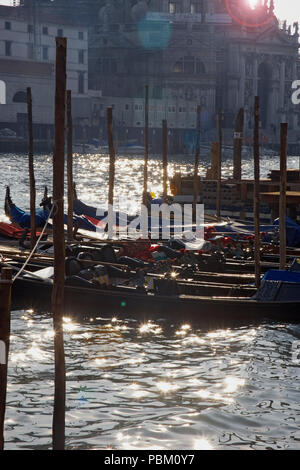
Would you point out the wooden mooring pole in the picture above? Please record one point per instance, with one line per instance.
(283, 186)
(256, 193)
(165, 158)
(5, 300)
(70, 166)
(112, 156)
(31, 170)
(220, 139)
(196, 166)
(146, 145)
(58, 426)
(112, 164)
(238, 145)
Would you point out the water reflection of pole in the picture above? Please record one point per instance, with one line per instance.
(146, 145)
(112, 160)
(165, 158)
(238, 146)
(5, 296)
(70, 165)
(31, 170)
(58, 426)
(283, 185)
(256, 194)
(219, 166)
(196, 166)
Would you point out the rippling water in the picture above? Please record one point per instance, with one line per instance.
(142, 385)
(91, 175)
(135, 385)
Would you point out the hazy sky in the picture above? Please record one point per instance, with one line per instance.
(285, 9)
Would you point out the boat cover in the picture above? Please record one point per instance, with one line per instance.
(281, 275)
(279, 291)
(10, 231)
(22, 218)
(292, 232)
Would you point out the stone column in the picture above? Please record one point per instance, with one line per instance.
(255, 76)
(242, 81)
(282, 85)
(295, 117)
(165, 6)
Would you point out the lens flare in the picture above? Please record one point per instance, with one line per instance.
(251, 20)
(252, 3)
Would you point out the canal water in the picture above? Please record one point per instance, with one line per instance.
(136, 384)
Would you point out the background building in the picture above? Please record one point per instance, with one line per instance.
(27, 59)
(192, 52)
(189, 52)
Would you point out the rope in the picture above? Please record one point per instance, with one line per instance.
(36, 245)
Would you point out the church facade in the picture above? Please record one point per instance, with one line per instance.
(213, 53)
(218, 54)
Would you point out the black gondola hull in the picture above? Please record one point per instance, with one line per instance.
(88, 302)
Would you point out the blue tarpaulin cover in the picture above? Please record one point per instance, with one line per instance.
(281, 275)
(292, 232)
(279, 285)
(22, 218)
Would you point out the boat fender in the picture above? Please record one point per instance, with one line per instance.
(165, 287)
(73, 267)
(101, 277)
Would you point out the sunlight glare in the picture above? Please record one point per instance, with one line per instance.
(232, 384)
(252, 3)
(202, 444)
(166, 387)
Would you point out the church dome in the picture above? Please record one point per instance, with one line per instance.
(139, 10)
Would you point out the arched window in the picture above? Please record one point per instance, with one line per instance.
(107, 65)
(199, 67)
(20, 97)
(2, 92)
(80, 83)
(189, 65)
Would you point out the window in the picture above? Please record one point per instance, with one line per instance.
(20, 97)
(81, 56)
(45, 30)
(30, 28)
(196, 6)
(113, 66)
(8, 48)
(127, 107)
(157, 92)
(60, 33)
(81, 83)
(45, 53)
(7, 25)
(30, 51)
(107, 65)
(189, 65)
(80, 35)
(2, 92)
(172, 7)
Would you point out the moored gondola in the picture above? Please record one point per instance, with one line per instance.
(208, 309)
